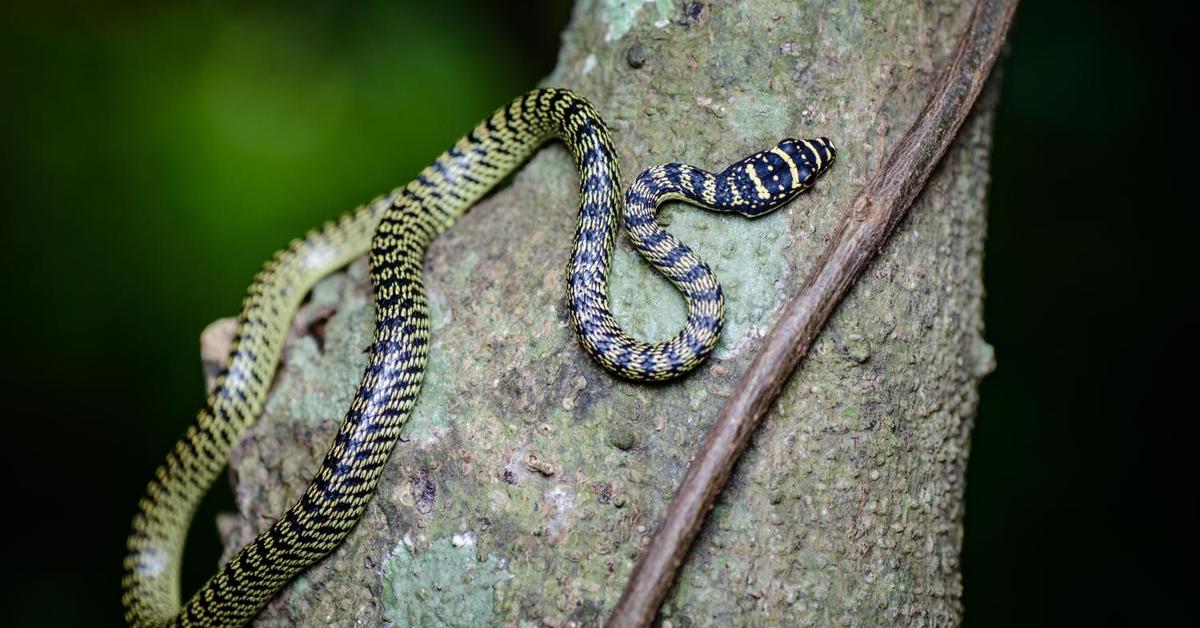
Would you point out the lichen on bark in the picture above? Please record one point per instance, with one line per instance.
(847, 507)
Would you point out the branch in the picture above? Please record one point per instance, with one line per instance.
(861, 233)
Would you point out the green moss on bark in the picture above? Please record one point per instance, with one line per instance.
(445, 584)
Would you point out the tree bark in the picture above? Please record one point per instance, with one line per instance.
(530, 478)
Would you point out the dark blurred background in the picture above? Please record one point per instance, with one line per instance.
(155, 154)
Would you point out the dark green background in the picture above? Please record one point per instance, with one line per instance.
(155, 155)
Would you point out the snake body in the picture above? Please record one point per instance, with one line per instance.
(396, 230)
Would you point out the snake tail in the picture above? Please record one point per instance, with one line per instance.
(396, 230)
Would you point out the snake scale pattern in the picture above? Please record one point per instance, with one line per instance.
(396, 230)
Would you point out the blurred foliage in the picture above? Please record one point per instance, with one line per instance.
(156, 153)
(1064, 520)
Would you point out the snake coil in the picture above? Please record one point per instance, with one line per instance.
(397, 229)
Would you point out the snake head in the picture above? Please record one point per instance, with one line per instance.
(803, 160)
(766, 180)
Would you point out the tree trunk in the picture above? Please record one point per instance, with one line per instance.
(529, 478)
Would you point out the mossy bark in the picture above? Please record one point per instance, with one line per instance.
(529, 478)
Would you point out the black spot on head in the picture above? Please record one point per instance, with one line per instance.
(775, 174)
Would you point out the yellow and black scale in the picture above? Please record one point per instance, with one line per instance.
(396, 230)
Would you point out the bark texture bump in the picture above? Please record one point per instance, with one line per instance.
(529, 478)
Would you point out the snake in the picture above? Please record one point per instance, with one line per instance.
(396, 230)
